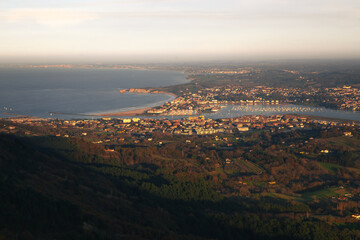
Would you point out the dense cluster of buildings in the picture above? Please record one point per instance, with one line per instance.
(187, 126)
(211, 99)
(347, 98)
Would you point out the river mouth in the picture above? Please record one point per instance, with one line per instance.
(232, 111)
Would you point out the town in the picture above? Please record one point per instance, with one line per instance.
(196, 125)
(210, 100)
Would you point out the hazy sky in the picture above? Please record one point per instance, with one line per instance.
(86, 29)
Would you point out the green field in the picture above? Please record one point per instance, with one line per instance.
(351, 143)
(331, 167)
(283, 196)
(251, 167)
(322, 193)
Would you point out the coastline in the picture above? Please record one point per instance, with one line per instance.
(116, 113)
(140, 111)
(167, 93)
(130, 113)
(146, 91)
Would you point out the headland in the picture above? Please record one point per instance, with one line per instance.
(146, 91)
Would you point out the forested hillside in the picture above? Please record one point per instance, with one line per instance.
(57, 188)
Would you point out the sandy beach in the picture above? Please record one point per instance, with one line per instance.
(135, 112)
(129, 113)
(167, 93)
(126, 113)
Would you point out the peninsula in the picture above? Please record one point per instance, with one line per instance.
(144, 90)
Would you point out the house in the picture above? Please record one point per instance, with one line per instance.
(348, 134)
(243, 129)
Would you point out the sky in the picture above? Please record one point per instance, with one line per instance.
(121, 30)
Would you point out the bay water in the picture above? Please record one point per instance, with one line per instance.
(37, 92)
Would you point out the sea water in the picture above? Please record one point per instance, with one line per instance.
(38, 92)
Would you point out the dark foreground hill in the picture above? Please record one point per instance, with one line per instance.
(56, 188)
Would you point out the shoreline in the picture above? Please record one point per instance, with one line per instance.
(129, 113)
(146, 91)
(136, 112)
